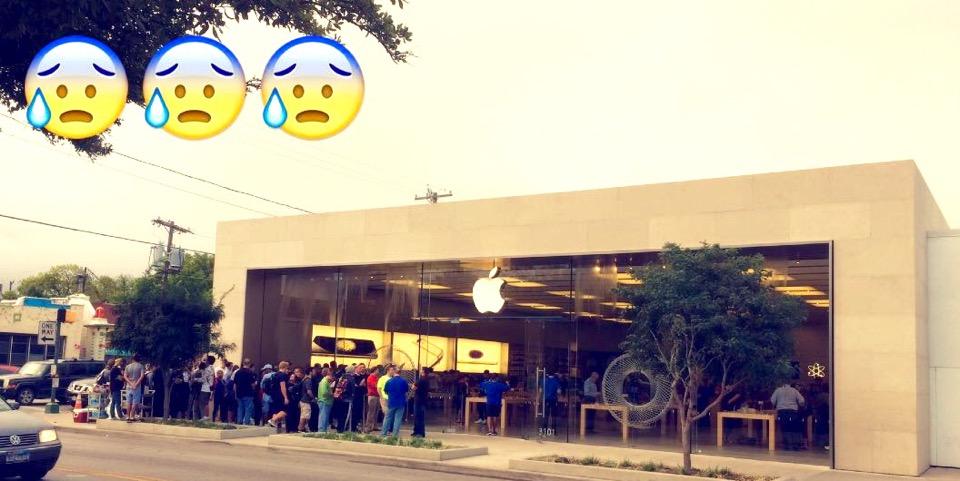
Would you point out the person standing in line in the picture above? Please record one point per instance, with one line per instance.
(261, 403)
(381, 382)
(218, 394)
(308, 398)
(325, 400)
(396, 389)
(196, 382)
(494, 389)
(482, 407)
(229, 393)
(133, 375)
(343, 398)
(373, 400)
(279, 396)
(316, 375)
(206, 387)
(243, 389)
(294, 393)
(116, 389)
(421, 395)
(591, 394)
(788, 401)
(359, 401)
(180, 395)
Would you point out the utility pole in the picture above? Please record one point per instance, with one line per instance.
(432, 196)
(172, 228)
(82, 281)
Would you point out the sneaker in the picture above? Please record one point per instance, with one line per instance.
(491, 434)
(480, 421)
(271, 423)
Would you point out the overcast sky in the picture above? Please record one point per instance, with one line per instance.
(506, 98)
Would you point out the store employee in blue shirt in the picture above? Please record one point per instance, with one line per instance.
(494, 389)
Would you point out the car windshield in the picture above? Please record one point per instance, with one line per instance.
(4, 406)
(32, 369)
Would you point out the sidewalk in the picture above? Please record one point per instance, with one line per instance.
(503, 449)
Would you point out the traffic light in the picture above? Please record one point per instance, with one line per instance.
(61, 315)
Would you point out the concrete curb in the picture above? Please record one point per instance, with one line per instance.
(393, 452)
(183, 431)
(601, 472)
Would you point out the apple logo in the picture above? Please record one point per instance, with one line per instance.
(487, 292)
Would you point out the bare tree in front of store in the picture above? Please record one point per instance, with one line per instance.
(707, 317)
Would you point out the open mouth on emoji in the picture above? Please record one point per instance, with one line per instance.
(76, 116)
(193, 116)
(312, 116)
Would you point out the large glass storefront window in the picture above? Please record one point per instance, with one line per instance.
(554, 338)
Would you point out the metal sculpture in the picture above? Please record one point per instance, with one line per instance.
(639, 416)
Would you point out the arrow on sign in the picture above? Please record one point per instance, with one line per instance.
(46, 339)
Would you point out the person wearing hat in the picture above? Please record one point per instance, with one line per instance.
(259, 408)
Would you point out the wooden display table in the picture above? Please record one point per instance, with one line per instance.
(483, 400)
(767, 419)
(623, 410)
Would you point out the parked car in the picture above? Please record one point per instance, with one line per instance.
(8, 369)
(81, 386)
(34, 379)
(29, 447)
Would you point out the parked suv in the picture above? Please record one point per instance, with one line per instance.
(34, 380)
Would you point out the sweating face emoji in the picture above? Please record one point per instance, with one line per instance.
(195, 88)
(312, 88)
(75, 87)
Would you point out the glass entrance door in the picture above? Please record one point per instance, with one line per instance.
(545, 365)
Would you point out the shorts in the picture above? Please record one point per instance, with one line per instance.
(306, 410)
(135, 396)
(493, 410)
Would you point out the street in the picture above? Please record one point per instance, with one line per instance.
(97, 456)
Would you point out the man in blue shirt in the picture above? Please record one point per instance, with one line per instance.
(396, 389)
(551, 404)
(494, 389)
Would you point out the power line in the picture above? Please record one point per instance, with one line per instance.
(189, 176)
(145, 179)
(85, 231)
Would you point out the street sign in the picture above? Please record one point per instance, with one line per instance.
(47, 333)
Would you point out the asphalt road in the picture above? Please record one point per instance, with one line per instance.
(96, 456)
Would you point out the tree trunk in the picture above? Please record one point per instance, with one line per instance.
(167, 389)
(685, 425)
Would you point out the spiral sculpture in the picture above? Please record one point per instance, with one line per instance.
(639, 416)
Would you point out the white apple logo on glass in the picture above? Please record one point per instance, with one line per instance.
(488, 292)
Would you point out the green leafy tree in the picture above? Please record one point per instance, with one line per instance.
(8, 295)
(169, 325)
(708, 316)
(108, 288)
(136, 29)
(59, 281)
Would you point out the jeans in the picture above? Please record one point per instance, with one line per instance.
(392, 421)
(245, 410)
(373, 410)
(267, 406)
(323, 423)
(419, 419)
(114, 410)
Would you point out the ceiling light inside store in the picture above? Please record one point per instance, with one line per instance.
(517, 282)
(819, 302)
(413, 283)
(537, 305)
(627, 278)
(618, 305)
(618, 319)
(572, 295)
(801, 291)
(582, 313)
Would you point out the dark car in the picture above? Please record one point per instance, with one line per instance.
(29, 447)
(34, 380)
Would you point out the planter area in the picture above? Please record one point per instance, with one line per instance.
(622, 471)
(184, 429)
(363, 445)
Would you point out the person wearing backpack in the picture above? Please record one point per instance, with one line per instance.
(266, 387)
(279, 397)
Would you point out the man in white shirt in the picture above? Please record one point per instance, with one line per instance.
(788, 401)
(206, 387)
(591, 395)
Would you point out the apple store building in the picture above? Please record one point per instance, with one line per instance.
(527, 288)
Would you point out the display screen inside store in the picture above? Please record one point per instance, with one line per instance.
(409, 351)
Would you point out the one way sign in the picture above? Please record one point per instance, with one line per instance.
(46, 333)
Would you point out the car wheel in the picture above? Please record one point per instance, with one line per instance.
(25, 396)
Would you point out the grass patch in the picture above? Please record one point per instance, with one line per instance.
(192, 424)
(420, 443)
(651, 467)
